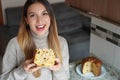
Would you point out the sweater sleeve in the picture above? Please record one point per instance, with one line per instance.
(10, 68)
(63, 73)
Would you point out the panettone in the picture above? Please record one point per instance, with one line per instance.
(44, 57)
(91, 64)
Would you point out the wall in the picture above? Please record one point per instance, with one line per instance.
(105, 41)
(13, 3)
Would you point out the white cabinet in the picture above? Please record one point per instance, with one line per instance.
(117, 57)
(102, 49)
(117, 52)
(105, 41)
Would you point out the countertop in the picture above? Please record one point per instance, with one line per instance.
(109, 75)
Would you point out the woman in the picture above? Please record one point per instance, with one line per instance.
(38, 29)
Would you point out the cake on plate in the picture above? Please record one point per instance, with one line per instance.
(91, 64)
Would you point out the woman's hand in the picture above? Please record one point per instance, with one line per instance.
(30, 67)
(56, 66)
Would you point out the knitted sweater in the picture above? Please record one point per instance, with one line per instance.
(12, 66)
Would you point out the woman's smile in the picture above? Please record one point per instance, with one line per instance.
(40, 27)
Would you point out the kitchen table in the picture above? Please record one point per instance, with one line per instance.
(75, 76)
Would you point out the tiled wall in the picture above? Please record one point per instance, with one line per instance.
(105, 41)
(106, 34)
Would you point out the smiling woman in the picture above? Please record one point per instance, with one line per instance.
(71, 24)
(38, 29)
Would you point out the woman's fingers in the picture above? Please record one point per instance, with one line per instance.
(29, 61)
(57, 65)
(30, 67)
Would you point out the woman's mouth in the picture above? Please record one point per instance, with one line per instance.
(41, 27)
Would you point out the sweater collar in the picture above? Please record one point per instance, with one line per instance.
(35, 36)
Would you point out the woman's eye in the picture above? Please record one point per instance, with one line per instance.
(32, 15)
(45, 13)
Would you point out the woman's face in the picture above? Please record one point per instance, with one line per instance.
(38, 19)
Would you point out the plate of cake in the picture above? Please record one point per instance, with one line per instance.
(91, 67)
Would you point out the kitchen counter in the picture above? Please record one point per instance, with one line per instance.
(107, 76)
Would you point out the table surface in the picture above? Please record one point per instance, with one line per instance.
(75, 76)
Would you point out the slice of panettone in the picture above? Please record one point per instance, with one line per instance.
(96, 67)
(44, 57)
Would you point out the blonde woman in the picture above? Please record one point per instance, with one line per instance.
(38, 29)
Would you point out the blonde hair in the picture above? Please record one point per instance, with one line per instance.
(25, 39)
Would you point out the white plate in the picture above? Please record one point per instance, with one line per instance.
(90, 74)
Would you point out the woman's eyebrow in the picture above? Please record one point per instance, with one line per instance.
(30, 13)
(45, 11)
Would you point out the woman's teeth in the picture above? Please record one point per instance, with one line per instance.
(40, 26)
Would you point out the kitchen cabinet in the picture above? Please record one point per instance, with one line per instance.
(102, 49)
(1, 15)
(117, 59)
(111, 10)
(105, 42)
(87, 5)
(107, 9)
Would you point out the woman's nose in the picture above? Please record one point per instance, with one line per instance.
(39, 19)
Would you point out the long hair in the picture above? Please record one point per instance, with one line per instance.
(25, 39)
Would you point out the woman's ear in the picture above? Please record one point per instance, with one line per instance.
(26, 19)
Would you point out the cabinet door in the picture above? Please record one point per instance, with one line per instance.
(94, 6)
(102, 49)
(117, 58)
(72, 3)
(112, 10)
(1, 15)
(86, 5)
(108, 9)
(117, 52)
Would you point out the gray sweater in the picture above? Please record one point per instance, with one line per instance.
(12, 66)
